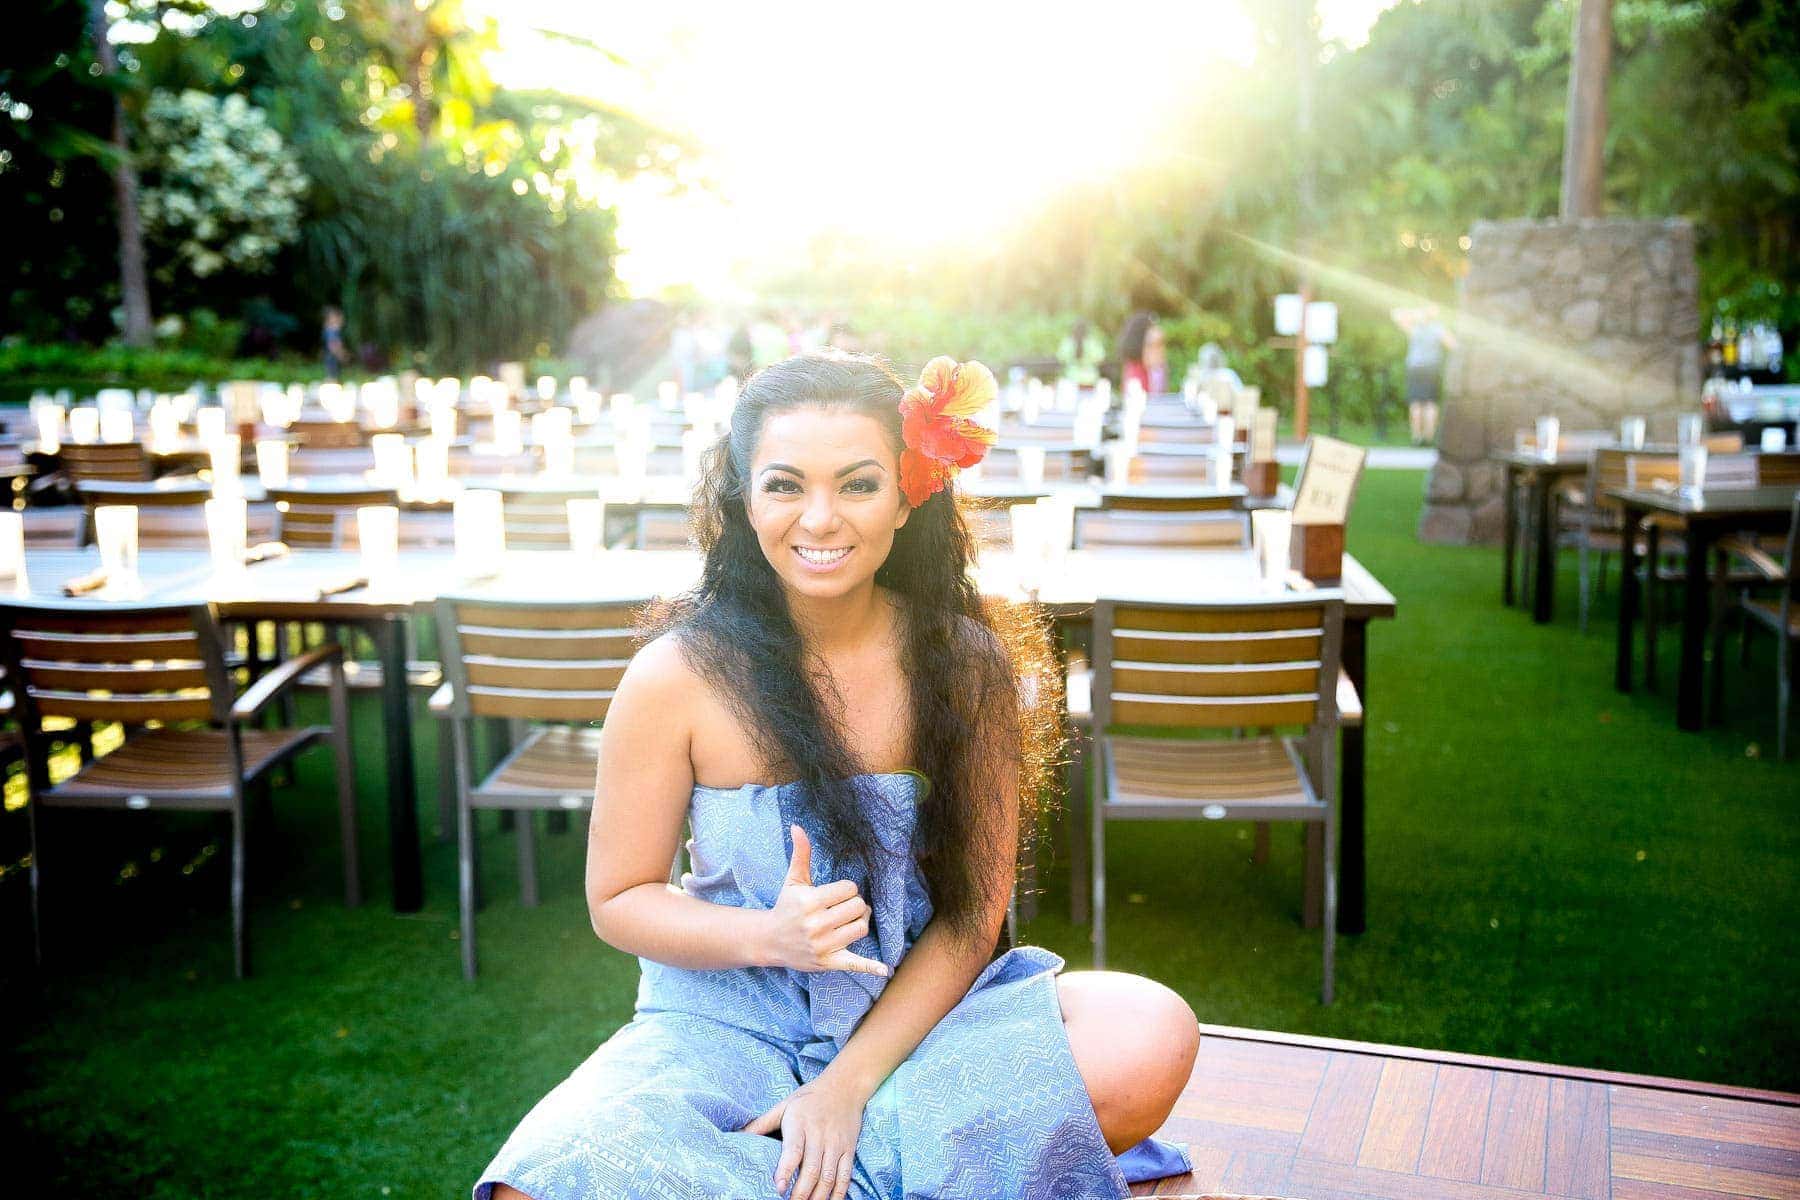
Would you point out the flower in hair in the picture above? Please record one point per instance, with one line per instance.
(935, 425)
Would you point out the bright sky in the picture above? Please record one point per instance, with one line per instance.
(904, 124)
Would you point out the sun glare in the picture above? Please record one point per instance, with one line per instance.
(897, 126)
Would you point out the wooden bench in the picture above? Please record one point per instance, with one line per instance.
(1316, 1118)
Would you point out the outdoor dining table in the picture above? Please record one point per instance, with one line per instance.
(331, 586)
(1704, 518)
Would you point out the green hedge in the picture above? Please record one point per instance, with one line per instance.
(26, 368)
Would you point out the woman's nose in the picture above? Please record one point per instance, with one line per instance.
(821, 514)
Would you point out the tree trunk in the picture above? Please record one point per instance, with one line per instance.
(1584, 133)
(134, 284)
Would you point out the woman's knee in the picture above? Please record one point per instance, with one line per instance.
(1135, 1042)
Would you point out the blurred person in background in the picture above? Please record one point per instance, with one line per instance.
(1143, 354)
(331, 338)
(1081, 353)
(1426, 341)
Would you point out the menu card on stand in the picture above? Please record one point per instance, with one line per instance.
(1323, 490)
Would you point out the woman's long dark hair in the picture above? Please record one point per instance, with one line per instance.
(985, 695)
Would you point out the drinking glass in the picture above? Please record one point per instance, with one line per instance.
(1027, 545)
(272, 462)
(1631, 433)
(587, 526)
(227, 532)
(478, 526)
(1031, 466)
(1692, 465)
(378, 536)
(116, 531)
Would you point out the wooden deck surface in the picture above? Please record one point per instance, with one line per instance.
(1316, 1119)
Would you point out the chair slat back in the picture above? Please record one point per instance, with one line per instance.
(1196, 503)
(663, 529)
(320, 519)
(1723, 443)
(538, 660)
(325, 434)
(539, 520)
(1150, 467)
(162, 663)
(1188, 434)
(1218, 666)
(104, 461)
(1778, 469)
(308, 463)
(1097, 529)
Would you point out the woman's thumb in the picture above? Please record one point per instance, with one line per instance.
(800, 866)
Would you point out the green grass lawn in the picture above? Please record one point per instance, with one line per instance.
(1555, 873)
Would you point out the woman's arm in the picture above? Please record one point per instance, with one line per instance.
(646, 779)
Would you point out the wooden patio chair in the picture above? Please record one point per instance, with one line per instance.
(1596, 521)
(1101, 529)
(1165, 675)
(1779, 613)
(1198, 503)
(163, 664)
(551, 664)
(171, 515)
(1778, 469)
(103, 461)
(539, 519)
(663, 529)
(1149, 466)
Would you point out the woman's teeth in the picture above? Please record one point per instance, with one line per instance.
(821, 558)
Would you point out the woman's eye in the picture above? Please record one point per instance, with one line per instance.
(862, 486)
(784, 486)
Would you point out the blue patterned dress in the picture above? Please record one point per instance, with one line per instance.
(989, 1105)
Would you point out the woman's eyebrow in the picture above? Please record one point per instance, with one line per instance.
(857, 466)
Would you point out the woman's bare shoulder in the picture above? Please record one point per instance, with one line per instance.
(661, 668)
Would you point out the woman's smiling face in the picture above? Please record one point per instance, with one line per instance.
(824, 498)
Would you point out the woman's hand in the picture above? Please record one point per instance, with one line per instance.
(819, 1123)
(809, 927)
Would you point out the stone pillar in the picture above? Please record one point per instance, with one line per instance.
(1589, 321)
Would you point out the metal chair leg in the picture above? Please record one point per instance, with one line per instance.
(239, 935)
(1784, 693)
(346, 786)
(1097, 850)
(465, 850)
(528, 882)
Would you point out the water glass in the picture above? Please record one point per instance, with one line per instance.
(1027, 545)
(84, 425)
(587, 526)
(478, 525)
(12, 548)
(1031, 466)
(116, 531)
(272, 462)
(227, 532)
(1690, 430)
(1692, 465)
(1631, 433)
(1549, 433)
(378, 536)
(1774, 439)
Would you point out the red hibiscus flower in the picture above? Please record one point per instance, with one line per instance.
(935, 424)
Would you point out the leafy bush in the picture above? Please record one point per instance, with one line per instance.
(26, 367)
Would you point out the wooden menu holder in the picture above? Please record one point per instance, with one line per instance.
(1262, 478)
(1317, 552)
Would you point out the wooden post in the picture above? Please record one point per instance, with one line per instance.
(1301, 399)
(1584, 132)
(134, 287)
